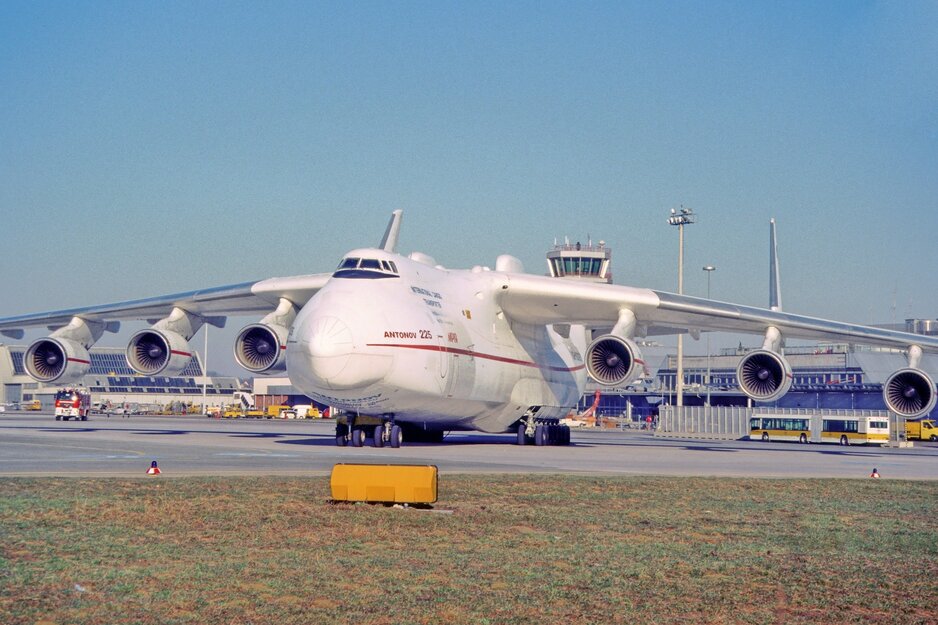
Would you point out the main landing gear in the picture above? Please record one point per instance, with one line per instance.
(387, 433)
(530, 431)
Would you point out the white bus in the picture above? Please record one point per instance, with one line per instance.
(845, 430)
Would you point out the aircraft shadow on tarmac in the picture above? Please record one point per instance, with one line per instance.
(470, 438)
(327, 439)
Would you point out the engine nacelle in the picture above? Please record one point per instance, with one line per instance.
(56, 360)
(764, 375)
(909, 392)
(154, 352)
(613, 360)
(262, 348)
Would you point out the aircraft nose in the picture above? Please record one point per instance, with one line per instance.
(330, 347)
(334, 359)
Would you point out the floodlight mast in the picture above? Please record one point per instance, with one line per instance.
(709, 269)
(680, 218)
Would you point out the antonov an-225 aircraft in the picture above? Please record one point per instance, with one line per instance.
(427, 349)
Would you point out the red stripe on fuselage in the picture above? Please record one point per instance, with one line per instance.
(466, 352)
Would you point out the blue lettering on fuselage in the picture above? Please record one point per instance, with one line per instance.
(426, 293)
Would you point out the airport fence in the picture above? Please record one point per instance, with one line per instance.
(707, 422)
(732, 422)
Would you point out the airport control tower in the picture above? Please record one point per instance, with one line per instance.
(580, 262)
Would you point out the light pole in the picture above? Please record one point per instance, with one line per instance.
(709, 269)
(680, 219)
(205, 373)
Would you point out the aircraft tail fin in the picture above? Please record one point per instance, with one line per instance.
(775, 291)
(389, 242)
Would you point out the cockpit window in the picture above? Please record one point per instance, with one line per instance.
(368, 268)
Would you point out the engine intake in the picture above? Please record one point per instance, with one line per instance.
(152, 352)
(56, 360)
(909, 392)
(613, 361)
(261, 348)
(764, 375)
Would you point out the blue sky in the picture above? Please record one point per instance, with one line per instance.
(147, 148)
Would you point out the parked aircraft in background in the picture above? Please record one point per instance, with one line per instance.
(425, 349)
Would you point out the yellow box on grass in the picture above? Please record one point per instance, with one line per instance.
(388, 483)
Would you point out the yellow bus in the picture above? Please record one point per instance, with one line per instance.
(777, 428)
(845, 430)
(855, 430)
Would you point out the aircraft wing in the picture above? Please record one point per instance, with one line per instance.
(544, 300)
(235, 299)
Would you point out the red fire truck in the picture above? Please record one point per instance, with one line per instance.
(72, 403)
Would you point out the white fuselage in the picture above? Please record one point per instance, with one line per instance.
(430, 346)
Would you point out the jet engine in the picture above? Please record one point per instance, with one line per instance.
(613, 360)
(764, 375)
(909, 392)
(260, 348)
(56, 360)
(154, 352)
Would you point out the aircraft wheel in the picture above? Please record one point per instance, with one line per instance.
(765, 437)
(358, 437)
(540, 435)
(844, 440)
(377, 439)
(397, 436)
(803, 438)
(522, 437)
(565, 435)
(341, 434)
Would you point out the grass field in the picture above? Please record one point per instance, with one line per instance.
(542, 549)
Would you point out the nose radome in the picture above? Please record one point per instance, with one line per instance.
(330, 347)
(335, 360)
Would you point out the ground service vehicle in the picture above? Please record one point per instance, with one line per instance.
(306, 411)
(33, 405)
(277, 411)
(924, 430)
(72, 403)
(232, 412)
(834, 429)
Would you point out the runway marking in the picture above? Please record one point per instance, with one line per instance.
(82, 447)
(255, 455)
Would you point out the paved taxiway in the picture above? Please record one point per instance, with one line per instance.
(36, 444)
